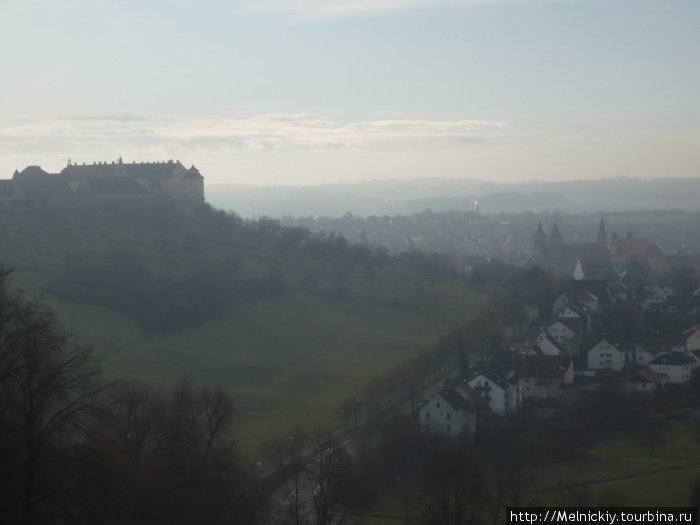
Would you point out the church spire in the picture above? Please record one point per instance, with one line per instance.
(540, 249)
(602, 234)
(556, 241)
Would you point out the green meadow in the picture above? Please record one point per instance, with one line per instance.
(287, 360)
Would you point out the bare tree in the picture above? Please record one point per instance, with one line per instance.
(328, 475)
(216, 405)
(454, 490)
(130, 414)
(47, 385)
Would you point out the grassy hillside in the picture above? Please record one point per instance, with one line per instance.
(291, 324)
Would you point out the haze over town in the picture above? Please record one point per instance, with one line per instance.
(289, 93)
(358, 261)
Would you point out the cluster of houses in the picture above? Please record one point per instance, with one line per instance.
(591, 333)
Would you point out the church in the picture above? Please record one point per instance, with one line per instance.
(594, 260)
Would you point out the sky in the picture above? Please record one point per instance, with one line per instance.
(277, 92)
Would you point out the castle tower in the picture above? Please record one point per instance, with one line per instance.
(602, 235)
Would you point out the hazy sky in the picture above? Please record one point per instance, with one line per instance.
(292, 92)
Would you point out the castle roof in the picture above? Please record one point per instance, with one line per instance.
(141, 170)
(31, 172)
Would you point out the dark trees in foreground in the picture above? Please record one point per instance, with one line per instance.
(47, 387)
(74, 450)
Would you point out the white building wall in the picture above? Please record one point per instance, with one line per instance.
(675, 373)
(605, 356)
(438, 417)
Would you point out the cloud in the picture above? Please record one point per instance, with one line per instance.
(318, 9)
(276, 132)
(117, 117)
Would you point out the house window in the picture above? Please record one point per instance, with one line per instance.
(448, 415)
(427, 415)
(448, 428)
(438, 404)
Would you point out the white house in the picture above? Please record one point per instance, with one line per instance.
(564, 330)
(642, 355)
(502, 393)
(604, 355)
(447, 414)
(573, 311)
(548, 345)
(541, 376)
(692, 338)
(678, 366)
(559, 303)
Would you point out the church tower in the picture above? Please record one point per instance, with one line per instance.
(556, 242)
(602, 235)
(539, 245)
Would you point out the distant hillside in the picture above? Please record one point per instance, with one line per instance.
(392, 197)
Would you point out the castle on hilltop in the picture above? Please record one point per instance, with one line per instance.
(594, 260)
(103, 180)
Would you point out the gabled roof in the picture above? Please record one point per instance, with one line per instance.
(31, 172)
(456, 401)
(610, 340)
(503, 380)
(633, 247)
(578, 309)
(662, 343)
(539, 366)
(550, 338)
(690, 331)
(647, 376)
(575, 325)
(673, 359)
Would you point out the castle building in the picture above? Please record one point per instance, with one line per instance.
(104, 180)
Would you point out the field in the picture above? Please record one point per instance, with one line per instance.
(619, 471)
(625, 468)
(290, 359)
